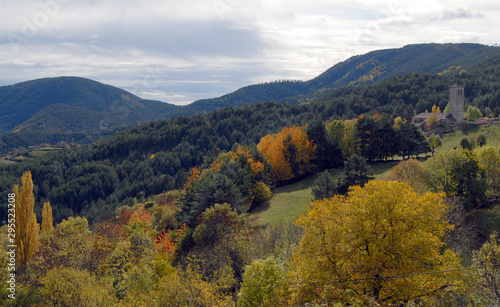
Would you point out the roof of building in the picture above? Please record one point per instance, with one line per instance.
(438, 115)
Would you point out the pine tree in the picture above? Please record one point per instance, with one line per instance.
(26, 226)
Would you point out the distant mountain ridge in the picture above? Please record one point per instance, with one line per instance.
(72, 104)
(79, 106)
(359, 70)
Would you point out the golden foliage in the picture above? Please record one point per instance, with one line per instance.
(435, 109)
(273, 147)
(47, 222)
(432, 121)
(383, 229)
(412, 172)
(72, 287)
(26, 226)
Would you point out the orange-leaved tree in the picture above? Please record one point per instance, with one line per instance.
(290, 152)
(27, 229)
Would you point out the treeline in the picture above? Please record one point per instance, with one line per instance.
(396, 241)
(411, 94)
(93, 180)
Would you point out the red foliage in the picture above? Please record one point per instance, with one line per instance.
(166, 241)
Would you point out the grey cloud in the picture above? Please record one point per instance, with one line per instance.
(459, 13)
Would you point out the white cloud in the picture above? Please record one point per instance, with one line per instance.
(200, 49)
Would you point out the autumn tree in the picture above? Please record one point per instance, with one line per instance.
(47, 223)
(432, 122)
(71, 287)
(27, 229)
(435, 109)
(239, 178)
(290, 152)
(485, 274)
(377, 231)
(412, 172)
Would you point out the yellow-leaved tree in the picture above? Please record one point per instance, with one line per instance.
(374, 244)
(27, 229)
(47, 222)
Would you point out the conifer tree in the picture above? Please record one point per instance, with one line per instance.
(26, 226)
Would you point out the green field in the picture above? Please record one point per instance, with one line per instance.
(452, 139)
(290, 201)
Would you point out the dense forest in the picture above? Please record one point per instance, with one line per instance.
(400, 240)
(158, 215)
(93, 180)
(46, 107)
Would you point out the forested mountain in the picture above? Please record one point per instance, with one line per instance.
(50, 104)
(72, 104)
(93, 180)
(158, 214)
(359, 70)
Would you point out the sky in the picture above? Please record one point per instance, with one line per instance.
(182, 51)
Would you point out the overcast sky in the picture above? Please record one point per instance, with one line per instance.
(181, 51)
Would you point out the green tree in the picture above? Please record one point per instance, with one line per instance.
(328, 155)
(325, 186)
(264, 284)
(473, 113)
(481, 140)
(357, 172)
(485, 274)
(261, 193)
(466, 144)
(219, 242)
(489, 159)
(458, 173)
(434, 142)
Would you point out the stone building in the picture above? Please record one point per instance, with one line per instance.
(455, 116)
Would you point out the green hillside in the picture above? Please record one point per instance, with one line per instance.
(359, 70)
(48, 106)
(290, 201)
(93, 180)
(43, 100)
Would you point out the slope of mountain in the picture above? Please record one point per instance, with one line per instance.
(78, 106)
(358, 70)
(92, 180)
(70, 103)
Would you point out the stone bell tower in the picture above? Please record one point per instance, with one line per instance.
(457, 102)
